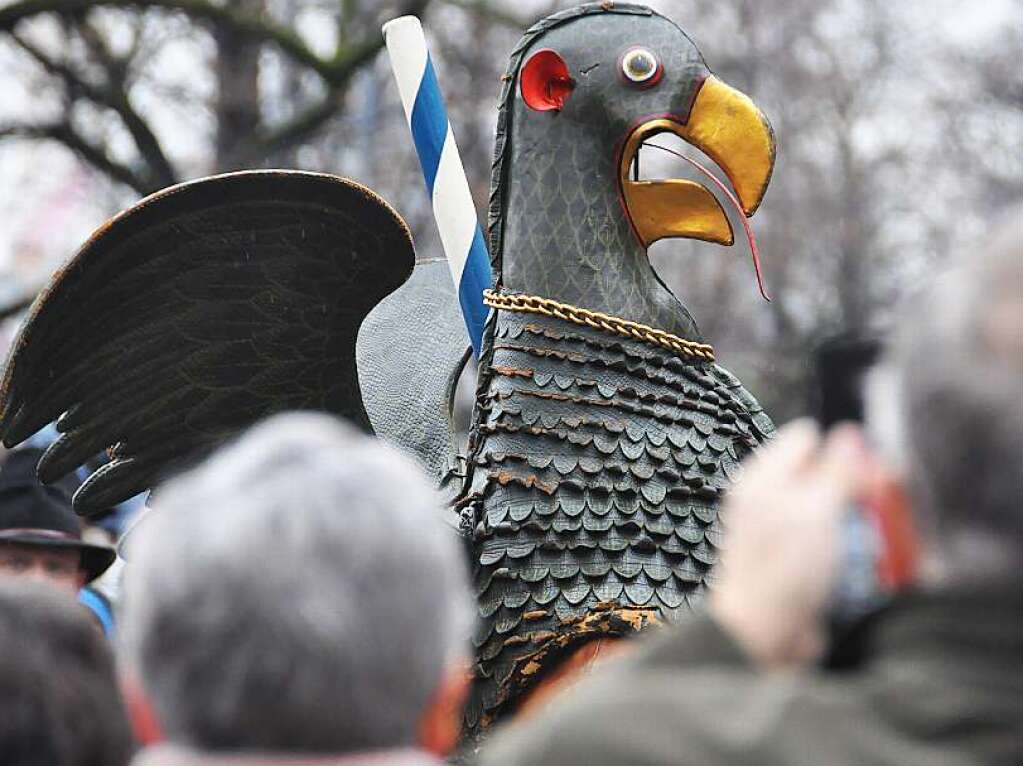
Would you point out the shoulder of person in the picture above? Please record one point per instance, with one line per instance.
(687, 694)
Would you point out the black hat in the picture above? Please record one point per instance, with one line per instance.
(32, 513)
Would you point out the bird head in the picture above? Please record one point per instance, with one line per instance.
(588, 87)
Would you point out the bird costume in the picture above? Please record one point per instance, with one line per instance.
(604, 432)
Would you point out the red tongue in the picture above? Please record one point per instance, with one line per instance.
(738, 209)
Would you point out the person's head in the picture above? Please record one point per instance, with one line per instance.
(40, 536)
(58, 566)
(59, 702)
(947, 409)
(298, 592)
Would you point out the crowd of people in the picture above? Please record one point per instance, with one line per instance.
(297, 599)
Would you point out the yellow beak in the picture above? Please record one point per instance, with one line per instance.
(729, 128)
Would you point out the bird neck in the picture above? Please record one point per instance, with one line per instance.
(566, 235)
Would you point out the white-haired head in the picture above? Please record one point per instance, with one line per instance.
(296, 592)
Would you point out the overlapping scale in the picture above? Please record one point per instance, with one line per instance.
(599, 462)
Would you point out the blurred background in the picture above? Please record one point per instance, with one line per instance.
(899, 126)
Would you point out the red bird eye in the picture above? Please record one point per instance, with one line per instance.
(545, 82)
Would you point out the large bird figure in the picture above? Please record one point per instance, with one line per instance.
(603, 433)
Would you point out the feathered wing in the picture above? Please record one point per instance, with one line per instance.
(198, 311)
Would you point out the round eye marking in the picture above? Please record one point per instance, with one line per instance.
(641, 67)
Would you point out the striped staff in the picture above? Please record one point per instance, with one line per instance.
(453, 207)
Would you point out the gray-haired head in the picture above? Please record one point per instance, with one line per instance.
(948, 409)
(296, 592)
(59, 702)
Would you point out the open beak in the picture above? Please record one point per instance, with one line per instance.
(729, 128)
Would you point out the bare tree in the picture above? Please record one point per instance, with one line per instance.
(87, 68)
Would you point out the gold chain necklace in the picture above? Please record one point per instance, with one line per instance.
(532, 304)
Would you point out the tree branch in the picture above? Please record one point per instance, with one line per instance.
(287, 134)
(257, 27)
(335, 70)
(349, 58)
(161, 172)
(64, 133)
(116, 67)
(485, 8)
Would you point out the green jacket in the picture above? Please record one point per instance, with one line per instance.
(941, 684)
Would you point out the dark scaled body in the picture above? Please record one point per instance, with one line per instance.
(597, 471)
(597, 461)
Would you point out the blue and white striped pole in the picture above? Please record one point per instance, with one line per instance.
(453, 207)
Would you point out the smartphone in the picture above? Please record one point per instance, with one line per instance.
(840, 367)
